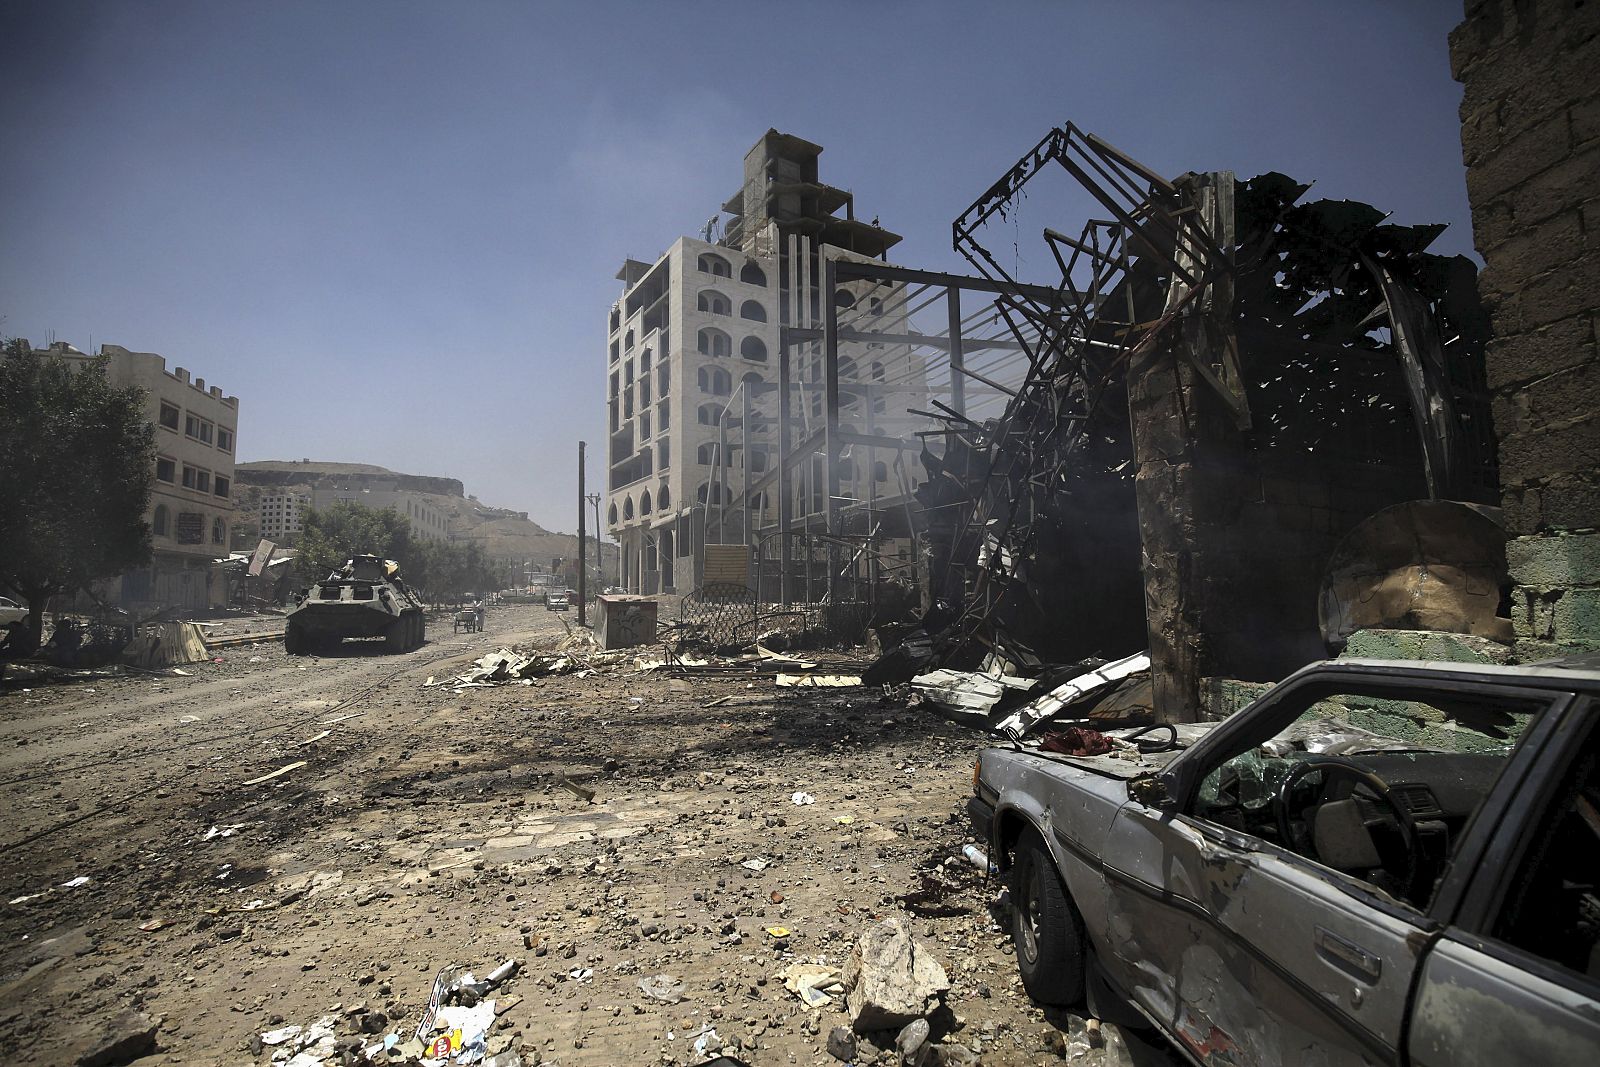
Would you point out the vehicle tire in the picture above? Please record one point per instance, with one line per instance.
(1045, 926)
(394, 639)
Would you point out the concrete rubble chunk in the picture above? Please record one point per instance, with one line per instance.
(842, 1044)
(121, 1040)
(892, 978)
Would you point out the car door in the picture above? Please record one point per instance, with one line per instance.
(1516, 976)
(1245, 951)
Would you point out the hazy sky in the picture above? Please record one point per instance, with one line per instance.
(391, 229)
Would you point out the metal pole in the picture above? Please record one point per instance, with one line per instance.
(583, 558)
(958, 366)
(830, 384)
(785, 490)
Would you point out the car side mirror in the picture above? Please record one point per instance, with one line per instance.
(1151, 791)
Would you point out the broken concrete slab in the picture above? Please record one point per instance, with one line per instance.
(120, 1040)
(892, 978)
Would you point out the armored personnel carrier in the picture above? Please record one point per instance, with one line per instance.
(364, 598)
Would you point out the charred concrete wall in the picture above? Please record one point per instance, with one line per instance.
(1237, 535)
(1530, 136)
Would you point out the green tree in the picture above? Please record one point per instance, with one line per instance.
(345, 528)
(77, 461)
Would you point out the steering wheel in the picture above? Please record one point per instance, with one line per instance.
(1338, 767)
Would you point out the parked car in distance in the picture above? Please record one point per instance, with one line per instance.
(556, 600)
(1382, 862)
(11, 611)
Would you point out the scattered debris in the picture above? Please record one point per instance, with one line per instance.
(814, 983)
(277, 773)
(662, 987)
(803, 798)
(830, 681)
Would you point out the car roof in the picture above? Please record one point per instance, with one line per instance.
(1573, 673)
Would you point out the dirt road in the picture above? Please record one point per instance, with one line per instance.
(419, 827)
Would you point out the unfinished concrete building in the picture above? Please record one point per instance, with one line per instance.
(694, 342)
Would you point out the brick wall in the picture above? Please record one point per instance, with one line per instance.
(1530, 138)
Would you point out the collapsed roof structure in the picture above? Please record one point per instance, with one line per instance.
(1225, 382)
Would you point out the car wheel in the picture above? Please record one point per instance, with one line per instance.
(1045, 926)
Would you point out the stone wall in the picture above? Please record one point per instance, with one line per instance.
(1530, 136)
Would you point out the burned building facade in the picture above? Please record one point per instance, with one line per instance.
(1228, 386)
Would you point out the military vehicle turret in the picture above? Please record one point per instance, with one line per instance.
(364, 598)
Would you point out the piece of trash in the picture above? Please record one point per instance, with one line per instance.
(428, 682)
(153, 925)
(74, 883)
(978, 858)
(342, 718)
(224, 831)
(583, 791)
(707, 1043)
(276, 773)
(25, 898)
(717, 703)
(755, 865)
(662, 987)
(189, 718)
(813, 983)
(803, 798)
(580, 974)
(502, 972)
(280, 1035)
(775, 896)
(313, 737)
(844, 820)
(826, 681)
(778, 931)
(184, 673)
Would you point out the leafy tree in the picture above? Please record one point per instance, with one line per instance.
(346, 528)
(77, 461)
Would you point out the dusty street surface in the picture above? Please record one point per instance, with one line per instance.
(427, 828)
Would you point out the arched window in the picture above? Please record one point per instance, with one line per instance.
(715, 303)
(877, 372)
(751, 378)
(711, 492)
(847, 367)
(876, 306)
(706, 454)
(716, 381)
(847, 469)
(219, 531)
(758, 459)
(611, 514)
(644, 363)
(709, 414)
(159, 524)
(752, 274)
(844, 298)
(752, 310)
(713, 264)
(714, 342)
(627, 340)
(753, 348)
(664, 497)
(644, 502)
(880, 471)
(627, 507)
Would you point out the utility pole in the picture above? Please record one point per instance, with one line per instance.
(599, 542)
(583, 564)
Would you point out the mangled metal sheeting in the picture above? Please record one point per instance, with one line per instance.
(505, 666)
(976, 698)
(1036, 713)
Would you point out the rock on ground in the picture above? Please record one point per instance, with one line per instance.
(122, 1040)
(892, 978)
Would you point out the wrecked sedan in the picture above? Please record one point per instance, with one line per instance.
(1373, 863)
